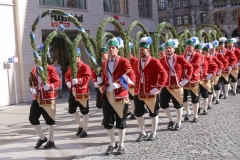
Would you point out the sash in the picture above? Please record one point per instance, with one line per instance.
(118, 106)
(193, 87)
(234, 73)
(48, 105)
(207, 85)
(176, 93)
(83, 99)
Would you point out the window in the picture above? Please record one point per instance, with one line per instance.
(185, 20)
(233, 16)
(162, 4)
(179, 20)
(144, 8)
(185, 3)
(178, 4)
(64, 3)
(203, 18)
(115, 6)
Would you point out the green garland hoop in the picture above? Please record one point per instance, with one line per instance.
(135, 46)
(202, 35)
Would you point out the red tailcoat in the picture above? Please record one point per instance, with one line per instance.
(53, 81)
(120, 67)
(94, 76)
(236, 53)
(231, 58)
(195, 60)
(221, 58)
(208, 67)
(83, 76)
(180, 65)
(154, 75)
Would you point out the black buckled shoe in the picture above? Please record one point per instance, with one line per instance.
(49, 145)
(79, 131)
(217, 101)
(209, 106)
(170, 125)
(40, 142)
(220, 96)
(120, 151)
(205, 112)
(234, 93)
(132, 116)
(177, 127)
(142, 137)
(102, 122)
(199, 109)
(152, 137)
(225, 97)
(186, 118)
(214, 98)
(111, 148)
(195, 120)
(83, 134)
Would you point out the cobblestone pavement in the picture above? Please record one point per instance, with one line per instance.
(215, 136)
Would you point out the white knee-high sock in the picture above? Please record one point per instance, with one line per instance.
(186, 107)
(221, 89)
(51, 132)
(214, 93)
(154, 125)
(121, 134)
(195, 109)
(141, 124)
(217, 95)
(226, 88)
(38, 129)
(85, 121)
(238, 81)
(111, 136)
(77, 119)
(205, 101)
(234, 87)
(210, 97)
(132, 106)
(168, 113)
(179, 116)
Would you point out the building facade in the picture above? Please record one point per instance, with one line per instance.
(189, 14)
(19, 16)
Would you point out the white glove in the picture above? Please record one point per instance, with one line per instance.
(46, 87)
(74, 81)
(114, 86)
(68, 84)
(209, 76)
(154, 91)
(219, 72)
(237, 64)
(95, 84)
(183, 82)
(33, 90)
(229, 68)
(99, 80)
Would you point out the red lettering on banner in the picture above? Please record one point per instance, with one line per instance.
(55, 24)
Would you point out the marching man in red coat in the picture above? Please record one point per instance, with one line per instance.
(232, 59)
(225, 63)
(99, 101)
(79, 94)
(150, 79)
(208, 70)
(230, 44)
(161, 51)
(44, 102)
(179, 73)
(194, 58)
(117, 75)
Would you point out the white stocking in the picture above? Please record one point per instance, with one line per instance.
(154, 124)
(205, 101)
(77, 119)
(132, 106)
(226, 88)
(217, 95)
(111, 136)
(179, 116)
(210, 97)
(168, 113)
(195, 109)
(85, 122)
(234, 87)
(186, 107)
(141, 124)
(39, 131)
(51, 132)
(121, 134)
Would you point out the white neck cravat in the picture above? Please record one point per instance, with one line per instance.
(143, 61)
